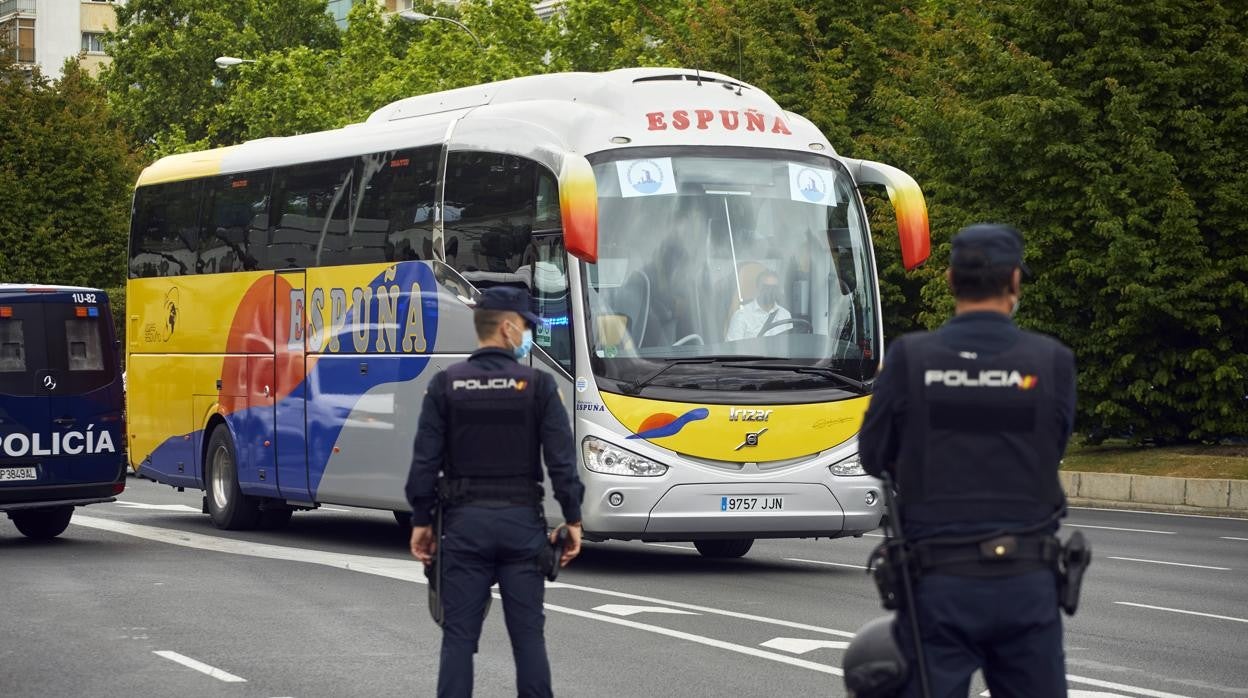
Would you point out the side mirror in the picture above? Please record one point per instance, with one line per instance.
(908, 202)
(578, 205)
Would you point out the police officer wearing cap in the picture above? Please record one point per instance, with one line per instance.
(970, 421)
(484, 426)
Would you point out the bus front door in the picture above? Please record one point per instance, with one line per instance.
(290, 363)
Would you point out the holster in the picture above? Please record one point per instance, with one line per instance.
(1075, 557)
(433, 571)
(886, 565)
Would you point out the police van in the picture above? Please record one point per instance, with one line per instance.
(61, 427)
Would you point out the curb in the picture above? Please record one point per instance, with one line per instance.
(1152, 493)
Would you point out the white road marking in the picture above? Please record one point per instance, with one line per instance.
(1179, 610)
(159, 507)
(619, 609)
(674, 547)
(325, 508)
(407, 570)
(1083, 694)
(1116, 528)
(1231, 538)
(199, 666)
(824, 562)
(799, 645)
(1174, 564)
(1159, 513)
(874, 535)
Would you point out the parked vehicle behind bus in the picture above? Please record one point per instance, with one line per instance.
(61, 428)
(700, 259)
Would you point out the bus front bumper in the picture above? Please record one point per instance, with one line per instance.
(739, 510)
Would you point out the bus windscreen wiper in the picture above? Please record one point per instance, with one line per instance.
(636, 386)
(853, 384)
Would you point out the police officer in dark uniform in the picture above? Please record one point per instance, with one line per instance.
(971, 421)
(483, 428)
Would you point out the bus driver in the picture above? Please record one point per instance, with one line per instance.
(763, 316)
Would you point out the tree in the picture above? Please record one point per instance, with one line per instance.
(163, 81)
(66, 169)
(1110, 134)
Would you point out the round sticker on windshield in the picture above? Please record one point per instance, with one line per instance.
(645, 176)
(811, 184)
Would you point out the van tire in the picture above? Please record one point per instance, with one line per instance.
(724, 548)
(42, 524)
(229, 508)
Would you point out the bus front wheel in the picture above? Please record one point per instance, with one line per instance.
(229, 508)
(724, 548)
(42, 524)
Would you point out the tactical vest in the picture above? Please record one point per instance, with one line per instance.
(492, 419)
(982, 433)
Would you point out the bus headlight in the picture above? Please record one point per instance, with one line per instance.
(850, 467)
(602, 457)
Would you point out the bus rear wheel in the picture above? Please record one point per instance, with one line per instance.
(724, 548)
(229, 508)
(42, 524)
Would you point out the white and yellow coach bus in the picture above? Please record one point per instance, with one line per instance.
(699, 256)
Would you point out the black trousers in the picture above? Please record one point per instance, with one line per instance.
(482, 546)
(1008, 626)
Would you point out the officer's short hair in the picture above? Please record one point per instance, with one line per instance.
(974, 279)
(486, 321)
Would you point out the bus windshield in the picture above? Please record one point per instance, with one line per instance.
(729, 269)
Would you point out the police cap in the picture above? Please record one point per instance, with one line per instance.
(516, 300)
(988, 244)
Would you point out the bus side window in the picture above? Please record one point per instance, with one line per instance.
(235, 223)
(393, 219)
(164, 233)
(309, 225)
(490, 204)
(550, 274)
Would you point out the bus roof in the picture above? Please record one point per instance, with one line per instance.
(577, 112)
(43, 288)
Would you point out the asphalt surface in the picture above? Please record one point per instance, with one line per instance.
(145, 598)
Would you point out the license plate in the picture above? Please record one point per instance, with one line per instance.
(758, 503)
(13, 474)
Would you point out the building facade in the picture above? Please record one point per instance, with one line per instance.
(46, 33)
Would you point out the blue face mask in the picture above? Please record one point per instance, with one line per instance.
(526, 345)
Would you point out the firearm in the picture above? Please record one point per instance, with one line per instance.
(433, 572)
(890, 566)
(1075, 557)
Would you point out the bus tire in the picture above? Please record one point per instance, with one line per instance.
(42, 524)
(229, 508)
(724, 548)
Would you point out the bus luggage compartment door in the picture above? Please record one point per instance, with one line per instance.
(290, 367)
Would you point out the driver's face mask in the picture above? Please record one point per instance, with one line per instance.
(768, 295)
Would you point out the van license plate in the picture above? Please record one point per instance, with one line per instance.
(13, 474)
(751, 503)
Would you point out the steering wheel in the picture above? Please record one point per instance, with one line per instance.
(795, 322)
(689, 338)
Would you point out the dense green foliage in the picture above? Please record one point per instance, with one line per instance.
(66, 168)
(1112, 133)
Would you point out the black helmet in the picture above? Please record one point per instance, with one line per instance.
(874, 667)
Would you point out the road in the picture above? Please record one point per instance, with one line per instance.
(145, 598)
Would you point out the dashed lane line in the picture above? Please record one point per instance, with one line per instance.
(825, 562)
(1117, 528)
(1172, 564)
(1179, 610)
(218, 674)
(1231, 538)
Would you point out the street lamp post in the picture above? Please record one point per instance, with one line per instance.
(413, 16)
(227, 62)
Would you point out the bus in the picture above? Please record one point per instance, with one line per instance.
(61, 428)
(699, 257)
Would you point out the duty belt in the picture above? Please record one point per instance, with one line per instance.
(516, 491)
(998, 556)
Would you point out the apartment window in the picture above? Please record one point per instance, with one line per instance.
(92, 42)
(20, 32)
